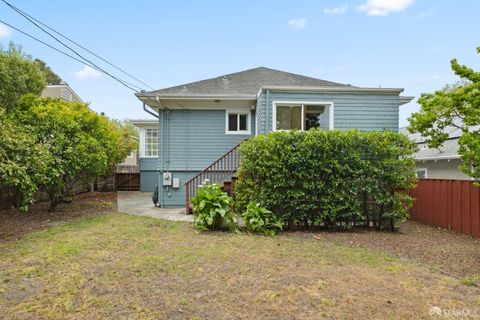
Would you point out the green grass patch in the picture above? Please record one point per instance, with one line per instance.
(136, 267)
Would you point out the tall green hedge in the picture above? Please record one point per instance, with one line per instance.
(328, 178)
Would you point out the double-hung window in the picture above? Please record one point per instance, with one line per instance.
(150, 143)
(237, 122)
(302, 116)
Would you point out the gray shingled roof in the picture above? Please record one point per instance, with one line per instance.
(246, 82)
(448, 150)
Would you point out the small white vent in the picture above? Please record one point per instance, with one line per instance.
(66, 95)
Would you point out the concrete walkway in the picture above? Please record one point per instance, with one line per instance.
(140, 204)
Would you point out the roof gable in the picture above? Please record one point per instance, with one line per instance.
(246, 82)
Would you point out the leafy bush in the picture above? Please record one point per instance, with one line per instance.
(328, 178)
(261, 220)
(211, 207)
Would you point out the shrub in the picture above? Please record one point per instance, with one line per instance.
(328, 178)
(261, 220)
(211, 207)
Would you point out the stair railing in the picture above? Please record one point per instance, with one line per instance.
(218, 171)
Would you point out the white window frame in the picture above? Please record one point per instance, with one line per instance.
(424, 170)
(238, 112)
(327, 104)
(143, 144)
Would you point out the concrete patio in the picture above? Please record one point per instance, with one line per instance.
(140, 204)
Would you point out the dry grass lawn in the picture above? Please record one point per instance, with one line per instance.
(125, 267)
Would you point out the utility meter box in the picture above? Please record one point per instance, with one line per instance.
(176, 183)
(167, 178)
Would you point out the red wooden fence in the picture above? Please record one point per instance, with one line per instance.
(448, 204)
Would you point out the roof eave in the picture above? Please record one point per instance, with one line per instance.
(406, 99)
(156, 97)
(346, 89)
(453, 157)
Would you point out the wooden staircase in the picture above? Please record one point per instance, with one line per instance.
(221, 171)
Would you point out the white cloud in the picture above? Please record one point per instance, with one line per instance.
(298, 24)
(383, 7)
(86, 73)
(336, 10)
(4, 31)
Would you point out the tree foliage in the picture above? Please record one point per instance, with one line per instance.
(82, 144)
(23, 163)
(328, 178)
(453, 106)
(51, 78)
(19, 75)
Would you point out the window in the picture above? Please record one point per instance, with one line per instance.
(289, 117)
(302, 116)
(238, 122)
(150, 143)
(421, 173)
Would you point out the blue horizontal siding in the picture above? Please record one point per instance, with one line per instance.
(196, 138)
(148, 180)
(365, 111)
(148, 164)
(176, 197)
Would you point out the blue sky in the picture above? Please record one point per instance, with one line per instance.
(388, 43)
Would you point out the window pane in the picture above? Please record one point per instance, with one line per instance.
(421, 174)
(289, 117)
(315, 117)
(243, 122)
(151, 142)
(232, 122)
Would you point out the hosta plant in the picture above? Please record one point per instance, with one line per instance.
(261, 220)
(212, 208)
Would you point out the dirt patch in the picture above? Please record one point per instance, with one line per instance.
(453, 253)
(14, 223)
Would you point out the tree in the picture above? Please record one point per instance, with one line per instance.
(24, 164)
(51, 78)
(19, 75)
(83, 144)
(458, 106)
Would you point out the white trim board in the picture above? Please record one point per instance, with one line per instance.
(328, 104)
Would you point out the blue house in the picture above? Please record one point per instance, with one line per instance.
(199, 124)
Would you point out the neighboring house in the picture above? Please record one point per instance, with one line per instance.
(203, 121)
(62, 91)
(441, 163)
(129, 165)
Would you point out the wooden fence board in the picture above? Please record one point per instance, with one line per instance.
(448, 204)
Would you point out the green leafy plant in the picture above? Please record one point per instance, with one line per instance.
(333, 179)
(212, 208)
(261, 220)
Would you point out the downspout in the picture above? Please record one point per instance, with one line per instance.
(267, 110)
(162, 156)
(149, 111)
(145, 106)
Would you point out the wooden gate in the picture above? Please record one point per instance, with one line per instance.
(127, 181)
